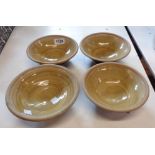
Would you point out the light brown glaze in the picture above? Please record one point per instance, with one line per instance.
(116, 87)
(105, 47)
(54, 49)
(42, 92)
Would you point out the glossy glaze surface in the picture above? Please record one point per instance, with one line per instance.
(105, 47)
(54, 49)
(116, 87)
(42, 92)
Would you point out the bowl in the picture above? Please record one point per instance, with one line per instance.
(53, 49)
(105, 47)
(42, 93)
(116, 87)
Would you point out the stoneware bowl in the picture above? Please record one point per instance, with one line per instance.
(42, 92)
(116, 87)
(105, 47)
(54, 49)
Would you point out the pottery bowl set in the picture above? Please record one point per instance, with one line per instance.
(46, 91)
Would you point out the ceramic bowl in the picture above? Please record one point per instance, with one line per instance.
(105, 47)
(54, 49)
(116, 87)
(42, 92)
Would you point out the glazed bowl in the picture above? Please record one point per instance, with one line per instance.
(53, 49)
(42, 93)
(116, 87)
(105, 47)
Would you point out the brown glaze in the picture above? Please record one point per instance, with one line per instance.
(54, 49)
(116, 87)
(105, 47)
(42, 92)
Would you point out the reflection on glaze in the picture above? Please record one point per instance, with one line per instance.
(50, 45)
(34, 74)
(42, 83)
(50, 59)
(103, 44)
(56, 99)
(113, 55)
(113, 82)
(68, 52)
(122, 45)
(40, 43)
(103, 69)
(119, 100)
(136, 87)
(27, 112)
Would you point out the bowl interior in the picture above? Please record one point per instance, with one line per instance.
(42, 92)
(52, 49)
(105, 47)
(116, 87)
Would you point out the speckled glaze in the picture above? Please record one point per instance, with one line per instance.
(53, 49)
(116, 87)
(42, 92)
(105, 47)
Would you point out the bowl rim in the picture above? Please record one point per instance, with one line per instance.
(104, 60)
(50, 115)
(147, 90)
(56, 62)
